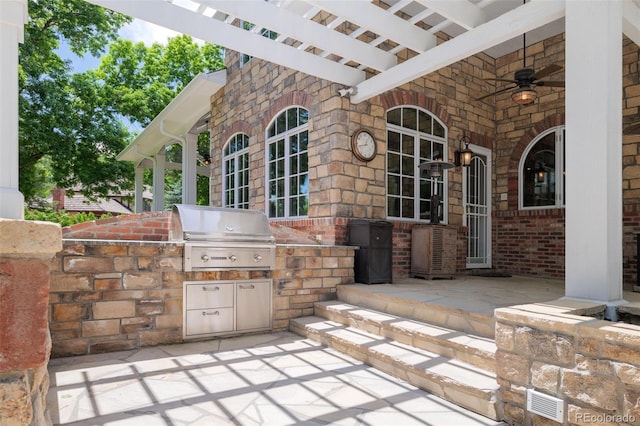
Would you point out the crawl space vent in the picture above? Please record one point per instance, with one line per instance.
(545, 405)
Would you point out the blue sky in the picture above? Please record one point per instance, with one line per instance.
(137, 30)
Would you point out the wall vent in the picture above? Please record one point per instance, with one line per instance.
(545, 405)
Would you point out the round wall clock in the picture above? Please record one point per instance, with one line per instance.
(363, 145)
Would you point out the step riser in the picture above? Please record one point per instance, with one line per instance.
(473, 356)
(456, 319)
(477, 400)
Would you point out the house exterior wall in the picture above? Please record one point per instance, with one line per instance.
(342, 187)
(531, 242)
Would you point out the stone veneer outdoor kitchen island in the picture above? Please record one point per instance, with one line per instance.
(110, 295)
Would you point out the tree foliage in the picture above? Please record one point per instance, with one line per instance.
(73, 125)
(142, 80)
(64, 117)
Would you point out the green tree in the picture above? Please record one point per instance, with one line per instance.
(140, 81)
(73, 125)
(69, 133)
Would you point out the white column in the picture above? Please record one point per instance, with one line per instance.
(158, 181)
(13, 16)
(594, 151)
(189, 164)
(139, 188)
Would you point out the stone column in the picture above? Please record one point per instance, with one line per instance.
(594, 151)
(26, 250)
(13, 15)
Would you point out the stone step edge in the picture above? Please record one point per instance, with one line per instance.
(466, 394)
(478, 324)
(473, 350)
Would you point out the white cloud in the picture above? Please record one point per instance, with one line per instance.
(146, 32)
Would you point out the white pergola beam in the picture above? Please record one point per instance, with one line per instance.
(375, 19)
(631, 21)
(461, 12)
(505, 27)
(179, 19)
(289, 24)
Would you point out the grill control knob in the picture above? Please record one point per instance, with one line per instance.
(204, 258)
(233, 258)
(257, 258)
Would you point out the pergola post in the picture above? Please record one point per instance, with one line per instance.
(593, 152)
(13, 16)
(158, 181)
(189, 166)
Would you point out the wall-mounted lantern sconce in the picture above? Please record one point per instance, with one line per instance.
(540, 174)
(205, 159)
(463, 156)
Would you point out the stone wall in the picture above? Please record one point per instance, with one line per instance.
(117, 295)
(560, 349)
(26, 248)
(341, 187)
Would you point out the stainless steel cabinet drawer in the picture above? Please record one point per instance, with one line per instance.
(206, 321)
(209, 295)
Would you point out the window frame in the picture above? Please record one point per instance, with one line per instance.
(287, 136)
(417, 137)
(559, 168)
(236, 158)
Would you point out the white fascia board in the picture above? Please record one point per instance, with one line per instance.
(290, 24)
(461, 12)
(631, 21)
(178, 117)
(366, 15)
(184, 21)
(505, 27)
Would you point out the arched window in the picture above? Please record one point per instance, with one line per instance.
(235, 163)
(413, 136)
(542, 171)
(288, 164)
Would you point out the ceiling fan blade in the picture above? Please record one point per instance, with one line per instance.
(634, 129)
(550, 83)
(506, 80)
(553, 68)
(496, 92)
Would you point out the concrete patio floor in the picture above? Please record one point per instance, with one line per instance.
(268, 379)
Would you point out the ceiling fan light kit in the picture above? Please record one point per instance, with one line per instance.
(524, 95)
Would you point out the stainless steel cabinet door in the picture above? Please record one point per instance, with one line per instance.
(253, 305)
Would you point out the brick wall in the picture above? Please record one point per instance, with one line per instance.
(147, 226)
(530, 242)
(116, 295)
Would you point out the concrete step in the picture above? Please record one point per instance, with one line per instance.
(458, 382)
(432, 311)
(475, 350)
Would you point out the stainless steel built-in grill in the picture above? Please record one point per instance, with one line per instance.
(217, 239)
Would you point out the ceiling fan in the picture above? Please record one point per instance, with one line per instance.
(526, 79)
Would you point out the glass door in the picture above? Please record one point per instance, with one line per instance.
(477, 208)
